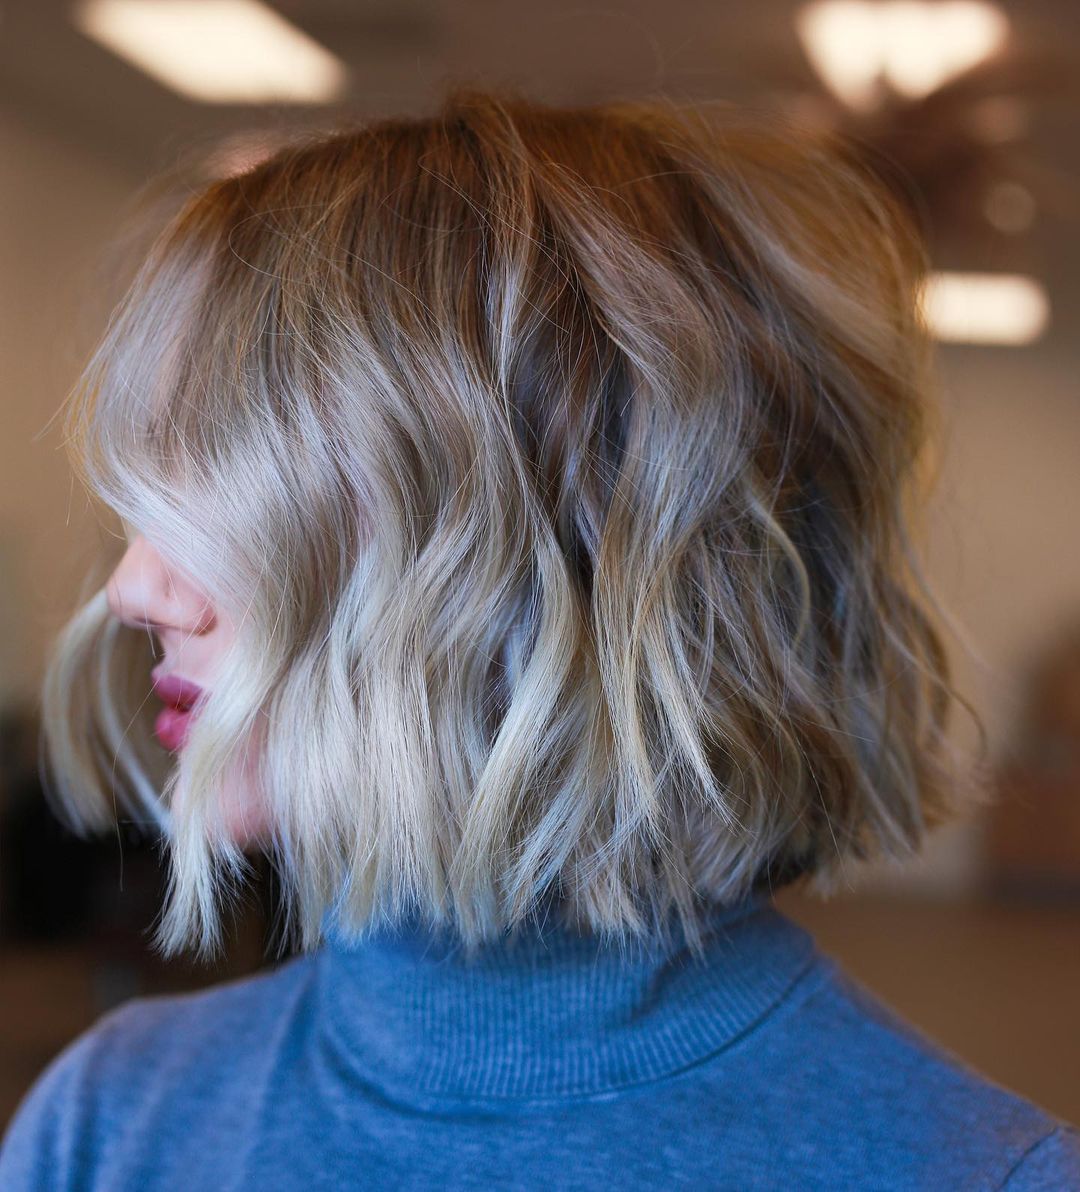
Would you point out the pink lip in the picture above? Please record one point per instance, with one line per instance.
(171, 689)
(174, 721)
(171, 727)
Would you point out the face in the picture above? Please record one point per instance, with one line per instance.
(146, 593)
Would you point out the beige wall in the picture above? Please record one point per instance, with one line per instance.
(1003, 548)
(59, 206)
(1007, 537)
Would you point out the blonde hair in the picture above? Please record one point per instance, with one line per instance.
(556, 466)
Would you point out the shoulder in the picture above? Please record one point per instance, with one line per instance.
(186, 1030)
(151, 1038)
(142, 1059)
(1053, 1161)
(935, 1111)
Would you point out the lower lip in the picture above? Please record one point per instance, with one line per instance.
(171, 727)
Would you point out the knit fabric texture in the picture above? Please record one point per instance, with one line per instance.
(549, 1061)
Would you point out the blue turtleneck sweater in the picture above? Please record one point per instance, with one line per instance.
(547, 1062)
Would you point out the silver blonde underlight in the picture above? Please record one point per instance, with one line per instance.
(559, 468)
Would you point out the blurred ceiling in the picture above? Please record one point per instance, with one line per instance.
(401, 52)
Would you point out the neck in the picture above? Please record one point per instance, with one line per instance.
(549, 1011)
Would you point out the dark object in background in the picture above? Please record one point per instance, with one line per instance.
(55, 885)
(104, 893)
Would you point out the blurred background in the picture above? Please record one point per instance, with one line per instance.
(969, 108)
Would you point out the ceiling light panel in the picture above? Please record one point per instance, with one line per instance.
(984, 308)
(215, 51)
(913, 46)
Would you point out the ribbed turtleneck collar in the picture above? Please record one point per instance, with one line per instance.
(549, 1013)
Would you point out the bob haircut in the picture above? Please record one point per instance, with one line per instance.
(557, 466)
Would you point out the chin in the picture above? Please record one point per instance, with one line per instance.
(247, 826)
(244, 811)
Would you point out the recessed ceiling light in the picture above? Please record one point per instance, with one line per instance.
(914, 46)
(215, 51)
(984, 308)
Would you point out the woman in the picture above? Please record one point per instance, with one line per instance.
(525, 491)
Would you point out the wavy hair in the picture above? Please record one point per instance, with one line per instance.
(558, 467)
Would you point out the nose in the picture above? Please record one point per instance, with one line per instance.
(145, 593)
